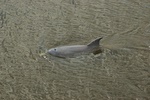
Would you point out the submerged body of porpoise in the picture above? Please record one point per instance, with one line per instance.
(76, 50)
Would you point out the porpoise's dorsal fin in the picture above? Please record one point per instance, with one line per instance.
(95, 42)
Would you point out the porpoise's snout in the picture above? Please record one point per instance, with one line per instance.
(52, 51)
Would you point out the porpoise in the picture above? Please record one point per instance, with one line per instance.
(76, 50)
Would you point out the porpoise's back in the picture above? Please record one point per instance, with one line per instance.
(70, 51)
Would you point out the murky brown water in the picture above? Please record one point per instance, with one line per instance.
(29, 27)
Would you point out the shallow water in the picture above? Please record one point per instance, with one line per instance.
(30, 27)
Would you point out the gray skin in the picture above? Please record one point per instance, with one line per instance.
(75, 50)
